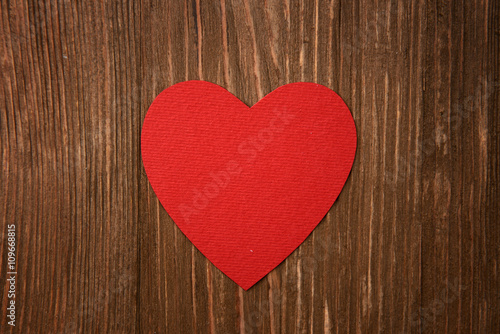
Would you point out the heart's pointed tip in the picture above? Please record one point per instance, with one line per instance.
(247, 285)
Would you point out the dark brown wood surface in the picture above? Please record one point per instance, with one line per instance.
(411, 244)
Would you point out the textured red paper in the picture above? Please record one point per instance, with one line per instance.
(247, 185)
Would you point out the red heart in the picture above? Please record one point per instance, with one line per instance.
(247, 185)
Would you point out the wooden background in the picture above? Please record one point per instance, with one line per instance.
(412, 243)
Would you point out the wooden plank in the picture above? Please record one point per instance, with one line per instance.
(459, 86)
(70, 168)
(380, 78)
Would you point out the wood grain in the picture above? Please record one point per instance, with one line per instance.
(410, 246)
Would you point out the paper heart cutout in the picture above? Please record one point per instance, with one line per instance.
(247, 185)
